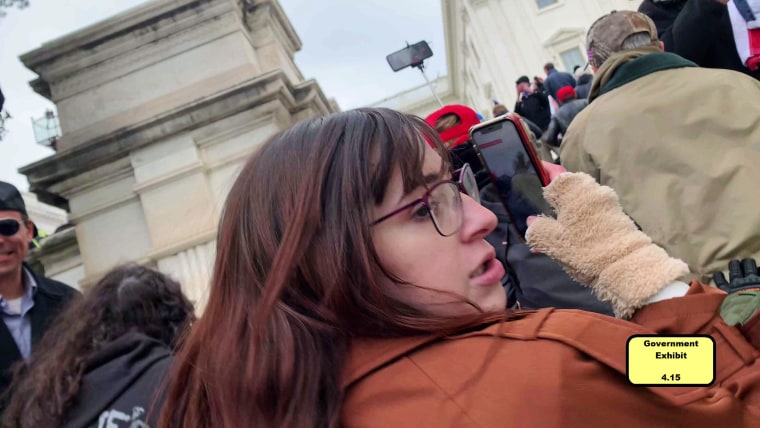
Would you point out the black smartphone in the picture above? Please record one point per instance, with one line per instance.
(410, 56)
(514, 168)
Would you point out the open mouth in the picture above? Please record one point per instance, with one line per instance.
(480, 270)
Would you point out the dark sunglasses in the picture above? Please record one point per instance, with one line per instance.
(9, 227)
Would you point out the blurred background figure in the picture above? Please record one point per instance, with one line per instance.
(532, 105)
(583, 79)
(570, 106)
(698, 30)
(499, 109)
(103, 361)
(556, 79)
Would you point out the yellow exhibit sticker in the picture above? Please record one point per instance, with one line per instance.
(678, 360)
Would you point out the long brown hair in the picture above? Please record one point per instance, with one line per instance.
(296, 275)
(128, 298)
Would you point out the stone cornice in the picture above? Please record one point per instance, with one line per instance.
(44, 174)
(135, 55)
(565, 34)
(274, 13)
(151, 14)
(122, 33)
(54, 244)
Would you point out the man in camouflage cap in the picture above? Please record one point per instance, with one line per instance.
(609, 33)
(680, 144)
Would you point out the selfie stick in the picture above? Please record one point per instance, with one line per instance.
(421, 66)
(413, 56)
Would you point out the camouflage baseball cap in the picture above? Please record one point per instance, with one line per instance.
(607, 34)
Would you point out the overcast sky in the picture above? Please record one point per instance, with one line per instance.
(344, 47)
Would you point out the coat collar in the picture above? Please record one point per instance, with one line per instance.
(627, 66)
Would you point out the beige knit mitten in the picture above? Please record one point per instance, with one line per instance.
(600, 246)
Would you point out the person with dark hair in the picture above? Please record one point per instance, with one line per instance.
(499, 109)
(353, 287)
(556, 79)
(103, 361)
(532, 105)
(28, 300)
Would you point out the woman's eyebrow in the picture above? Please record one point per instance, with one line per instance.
(431, 178)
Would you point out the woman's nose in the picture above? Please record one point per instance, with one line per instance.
(477, 220)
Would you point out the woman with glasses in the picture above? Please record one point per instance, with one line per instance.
(353, 287)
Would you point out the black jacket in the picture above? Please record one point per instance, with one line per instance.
(534, 280)
(561, 120)
(557, 79)
(698, 30)
(122, 386)
(583, 85)
(50, 298)
(535, 108)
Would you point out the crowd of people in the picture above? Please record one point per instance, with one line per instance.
(367, 273)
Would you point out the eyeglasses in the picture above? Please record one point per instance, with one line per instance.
(9, 227)
(443, 202)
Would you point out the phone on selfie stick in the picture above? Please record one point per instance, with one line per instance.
(513, 166)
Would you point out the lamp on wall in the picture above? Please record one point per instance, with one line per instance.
(47, 129)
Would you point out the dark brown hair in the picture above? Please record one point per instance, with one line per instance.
(296, 275)
(128, 298)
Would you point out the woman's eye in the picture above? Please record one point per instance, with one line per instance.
(436, 207)
(421, 212)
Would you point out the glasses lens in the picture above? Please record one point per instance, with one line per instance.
(445, 204)
(469, 183)
(8, 227)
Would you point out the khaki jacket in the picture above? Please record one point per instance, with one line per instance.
(551, 368)
(681, 147)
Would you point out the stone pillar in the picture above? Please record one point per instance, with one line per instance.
(159, 108)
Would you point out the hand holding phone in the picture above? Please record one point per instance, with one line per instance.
(514, 168)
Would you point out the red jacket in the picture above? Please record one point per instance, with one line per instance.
(551, 368)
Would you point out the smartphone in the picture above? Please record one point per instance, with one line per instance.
(514, 168)
(410, 56)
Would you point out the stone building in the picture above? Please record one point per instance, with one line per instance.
(159, 106)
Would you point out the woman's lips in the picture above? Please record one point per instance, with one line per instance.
(494, 271)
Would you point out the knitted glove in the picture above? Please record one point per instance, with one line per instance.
(600, 246)
(743, 300)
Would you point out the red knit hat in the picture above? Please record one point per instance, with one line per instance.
(459, 133)
(564, 93)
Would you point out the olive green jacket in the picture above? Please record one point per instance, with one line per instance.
(681, 147)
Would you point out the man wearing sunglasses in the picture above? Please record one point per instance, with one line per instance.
(28, 302)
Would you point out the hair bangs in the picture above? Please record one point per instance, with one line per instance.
(399, 142)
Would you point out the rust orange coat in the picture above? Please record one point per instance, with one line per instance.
(551, 368)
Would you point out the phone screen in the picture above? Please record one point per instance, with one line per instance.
(512, 172)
